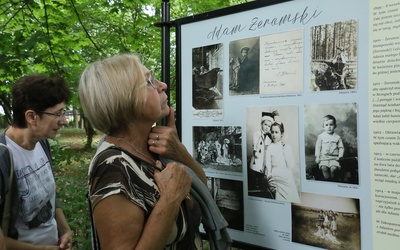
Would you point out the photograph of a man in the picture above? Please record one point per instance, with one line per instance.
(244, 66)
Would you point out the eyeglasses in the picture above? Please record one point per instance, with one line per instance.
(59, 114)
(151, 81)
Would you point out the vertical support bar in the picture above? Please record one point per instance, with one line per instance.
(165, 50)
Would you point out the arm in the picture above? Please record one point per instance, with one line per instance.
(268, 164)
(287, 150)
(168, 145)
(121, 224)
(318, 150)
(64, 231)
(344, 57)
(256, 142)
(14, 244)
(341, 148)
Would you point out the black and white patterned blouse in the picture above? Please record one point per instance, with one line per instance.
(115, 171)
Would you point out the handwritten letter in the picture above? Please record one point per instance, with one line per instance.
(281, 63)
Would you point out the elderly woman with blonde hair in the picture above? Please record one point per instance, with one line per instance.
(139, 201)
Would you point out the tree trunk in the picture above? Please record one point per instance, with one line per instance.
(90, 132)
(76, 117)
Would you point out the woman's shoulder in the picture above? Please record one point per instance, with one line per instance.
(105, 150)
(110, 154)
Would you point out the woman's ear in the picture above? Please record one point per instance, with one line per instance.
(30, 116)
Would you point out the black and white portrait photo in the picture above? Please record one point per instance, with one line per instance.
(331, 142)
(207, 87)
(244, 70)
(273, 153)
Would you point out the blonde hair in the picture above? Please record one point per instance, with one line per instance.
(112, 92)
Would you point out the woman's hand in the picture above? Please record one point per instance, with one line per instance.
(173, 182)
(164, 140)
(66, 240)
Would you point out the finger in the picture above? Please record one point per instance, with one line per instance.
(171, 118)
(159, 164)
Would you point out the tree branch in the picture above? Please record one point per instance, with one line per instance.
(84, 28)
(12, 17)
(48, 34)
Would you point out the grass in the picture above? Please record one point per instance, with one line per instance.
(71, 164)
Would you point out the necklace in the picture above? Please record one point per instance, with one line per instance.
(137, 151)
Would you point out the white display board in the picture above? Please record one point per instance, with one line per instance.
(308, 65)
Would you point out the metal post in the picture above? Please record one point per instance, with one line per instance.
(166, 45)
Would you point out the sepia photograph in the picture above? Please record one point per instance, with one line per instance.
(228, 195)
(331, 142)
(207, 87)
(244, 69)
(218, 148)
(327, 222)
(334, 56)
(272, 152)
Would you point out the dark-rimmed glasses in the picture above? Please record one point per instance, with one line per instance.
(59, 114)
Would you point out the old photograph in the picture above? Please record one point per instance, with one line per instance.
(334, 56)
(331, 142)
(272, 152)
(228, 195)
(327, 222)
(218, 148)
(244, 69)
(207, 87)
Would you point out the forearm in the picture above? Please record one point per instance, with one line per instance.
(318, 145)
(62, 224)
(341, 152)
(268, 166)
(128, 228)
(159, 225)
(13, 244)
(65, 233)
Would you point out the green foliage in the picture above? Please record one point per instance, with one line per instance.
(62, 37)
(71, 190)
(71, 165)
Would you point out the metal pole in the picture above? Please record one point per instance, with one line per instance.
(166, 45)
